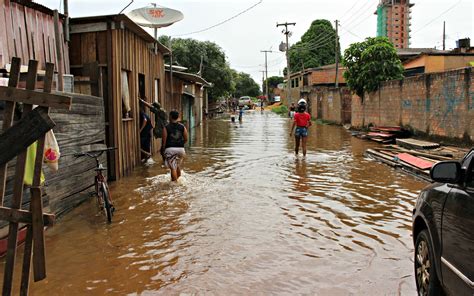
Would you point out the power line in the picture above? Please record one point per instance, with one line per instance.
(222, 22)
(353, 34)
(444, 12)
(344, 15)
(356, 16)
(270, 62)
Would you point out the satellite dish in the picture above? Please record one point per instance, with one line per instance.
(155, 16)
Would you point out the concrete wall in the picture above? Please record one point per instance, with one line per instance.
(330, 104)
(438, 104)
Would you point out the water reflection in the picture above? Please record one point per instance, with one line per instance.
(248, 218)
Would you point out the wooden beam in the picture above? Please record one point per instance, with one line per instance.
(59, 54)
(35, 98)
(22, 216)
(9, 110)
(20, 136)
(36, 205)
(89, 28)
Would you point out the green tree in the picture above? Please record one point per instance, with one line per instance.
(316, 47)
(215, 68)
(245, 85)
(371, 62)
(273, 82)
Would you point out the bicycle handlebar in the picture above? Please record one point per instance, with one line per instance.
(94, 153)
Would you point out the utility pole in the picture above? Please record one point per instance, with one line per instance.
(200, 66)
(266, 72)
(337, 55)
(444, 35)
(263, 80)
(286, 32)
(66, 23)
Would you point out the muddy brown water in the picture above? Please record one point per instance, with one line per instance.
(248, 217)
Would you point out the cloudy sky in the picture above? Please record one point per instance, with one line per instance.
(243, 37)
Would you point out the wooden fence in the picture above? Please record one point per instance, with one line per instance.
(29, 31)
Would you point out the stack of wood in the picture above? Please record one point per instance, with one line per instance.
(414, 156)
(382, 134)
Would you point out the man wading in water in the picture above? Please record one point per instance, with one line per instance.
(302, 120)
(175, 135)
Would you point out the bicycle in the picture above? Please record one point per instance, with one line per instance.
(102, 193)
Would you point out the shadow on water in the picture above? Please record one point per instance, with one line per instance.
(248, 217)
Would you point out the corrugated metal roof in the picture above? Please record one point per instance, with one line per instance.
(191, 77)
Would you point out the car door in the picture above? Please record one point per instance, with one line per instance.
(457, 259)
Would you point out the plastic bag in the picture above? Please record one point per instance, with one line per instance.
(51, 151)
(30, 165)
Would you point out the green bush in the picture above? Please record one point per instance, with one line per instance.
(282, 110)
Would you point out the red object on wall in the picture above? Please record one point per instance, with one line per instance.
(4, 241)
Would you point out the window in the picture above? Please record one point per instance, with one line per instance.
(156, 93)
(468, 164)
(126, 110)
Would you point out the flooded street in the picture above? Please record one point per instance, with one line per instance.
(248, 217)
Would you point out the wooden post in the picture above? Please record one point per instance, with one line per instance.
(59, 54)
(8, 119)
(35, 219)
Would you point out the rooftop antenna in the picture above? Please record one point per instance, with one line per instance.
(126, 7)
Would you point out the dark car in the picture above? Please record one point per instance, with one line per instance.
(443, 230)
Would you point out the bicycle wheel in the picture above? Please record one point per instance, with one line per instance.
(106, 203)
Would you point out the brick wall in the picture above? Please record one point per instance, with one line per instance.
(326, 76)
(437, 104)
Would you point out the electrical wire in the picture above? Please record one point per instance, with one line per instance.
(222, 22)
(353, 34)
(356, 14)
(269, 63)
(355, 3)
(433, 20)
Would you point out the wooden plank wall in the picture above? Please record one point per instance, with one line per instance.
(29, 34)
(117, 50)
(80, 129)
(175, 102)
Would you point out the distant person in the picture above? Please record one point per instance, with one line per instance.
(175, 135)
(302, 121)
(146, 128)
(232, 116)
(241, 113)
(161, 119)
(291, 113)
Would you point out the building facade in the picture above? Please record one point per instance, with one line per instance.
(128, 64)
(393, 21)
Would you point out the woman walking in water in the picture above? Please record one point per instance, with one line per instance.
(175, 135)
(302, 121)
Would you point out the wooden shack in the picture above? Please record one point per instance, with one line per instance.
(123, 62)
(189, 97)
(29, 31)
